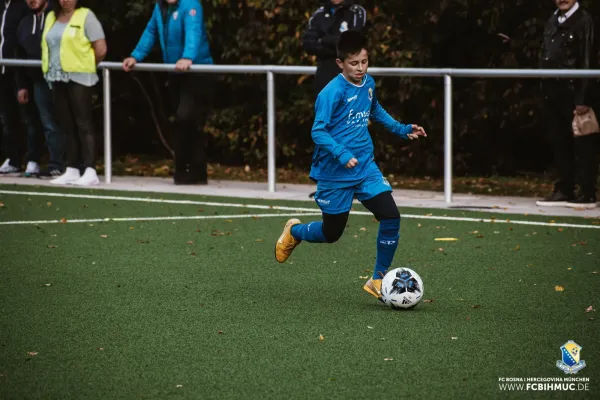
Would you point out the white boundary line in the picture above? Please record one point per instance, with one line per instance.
(126, 219)
(311, 211)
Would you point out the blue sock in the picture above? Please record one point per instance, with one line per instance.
(311, 232)
(387, 243)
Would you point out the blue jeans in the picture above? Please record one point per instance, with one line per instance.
(54, 136)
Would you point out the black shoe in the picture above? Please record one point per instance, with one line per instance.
(556, 199)
(50, 173)
(587, 202)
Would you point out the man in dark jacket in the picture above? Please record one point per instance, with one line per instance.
(33, 86)
(11, 14)
(324, 28)
(178, 25)
(569, 44)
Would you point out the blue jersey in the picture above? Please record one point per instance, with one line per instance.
(340, 129)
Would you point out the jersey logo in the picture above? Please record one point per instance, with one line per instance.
(175, 15)
(344, 26)
(352, 98)
(370, 94)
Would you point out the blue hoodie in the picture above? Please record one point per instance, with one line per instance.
(180, 31)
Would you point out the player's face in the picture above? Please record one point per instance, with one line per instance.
(172, 1)
(354, 67)
(565, 5)
(336, 2)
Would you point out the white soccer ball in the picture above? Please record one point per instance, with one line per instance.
(401, 288)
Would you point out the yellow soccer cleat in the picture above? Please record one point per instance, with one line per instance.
(373, 287)
(286, 242)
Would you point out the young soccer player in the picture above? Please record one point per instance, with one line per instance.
(343, 164)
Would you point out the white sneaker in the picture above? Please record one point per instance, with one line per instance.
(32, 169)
(89, 178)
(8, 170)
(71, 175)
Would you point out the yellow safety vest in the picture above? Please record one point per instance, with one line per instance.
(76, 52)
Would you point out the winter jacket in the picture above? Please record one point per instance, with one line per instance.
(570, 45)
(29, 37)
(180, 30)
(11, 14)
(326, 25)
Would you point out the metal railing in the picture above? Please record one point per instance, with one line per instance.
(271, 70)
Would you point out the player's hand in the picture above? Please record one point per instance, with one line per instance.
(416, 132)
(23, 96)
(183, 65)
(352, 163)
(129, 63)
(581, 109)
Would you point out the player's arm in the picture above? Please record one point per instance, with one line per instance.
(405, 131)
(326, 103)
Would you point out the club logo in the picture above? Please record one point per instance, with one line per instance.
(193, 12)
(371, 94)
(175, 15)
(570, 363)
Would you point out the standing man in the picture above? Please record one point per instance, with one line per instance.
(33, 87)
(11, 14)
(179, 27)
(569, 44)
(324, 28)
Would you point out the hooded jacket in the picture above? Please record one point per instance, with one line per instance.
(326, 25)
(29, 37)
(11, 14)
(180, 31)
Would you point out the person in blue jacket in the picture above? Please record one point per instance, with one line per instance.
(343, 163)
(178, 25)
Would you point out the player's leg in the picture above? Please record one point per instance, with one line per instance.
(335, 203)
(375, 194)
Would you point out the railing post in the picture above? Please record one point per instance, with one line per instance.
(448, 139)
(271, 130)
(107, 127)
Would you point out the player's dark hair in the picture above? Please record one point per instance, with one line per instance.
(350, 43)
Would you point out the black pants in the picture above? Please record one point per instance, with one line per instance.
(326, 71)
(190, 97)
(382, 206)
(73, 107)
(576, 159)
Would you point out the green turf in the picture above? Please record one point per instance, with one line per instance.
(203, 304)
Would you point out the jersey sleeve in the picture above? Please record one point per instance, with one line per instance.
(379, 114)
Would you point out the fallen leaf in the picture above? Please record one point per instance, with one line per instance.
(103, 236)
(468, 318)
(476, 306)
(363, 229)
(228, 220)
(419, 226)
(370, 327)
(583, 243)
(220, 332)
(560, 229)
(179, 386)
(51, 246)
(559, 288)
(47, 284)
(192, 254)
(321, 338)
(568, 269)
(190, 242)
(131, 228)
(364, 277)
(517, 247)
(388, 359)
(530, 265)
(591, 318)
(454, 337)
(63, 220)
(100, 348)
(440, 249)
(428, 301)
(49, 204)
(446, 239)
(142, 241)
(32, 353)
(259, 240)
(589, 309)
(594, 272)
(198, 230)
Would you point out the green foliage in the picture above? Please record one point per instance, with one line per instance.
(497, 128)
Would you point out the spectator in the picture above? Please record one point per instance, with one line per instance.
(324, 28)
(179, 27)
(568, 43)
(31, 83)
(72, 45)
(11, 13)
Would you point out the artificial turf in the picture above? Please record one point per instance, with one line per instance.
(200, 309)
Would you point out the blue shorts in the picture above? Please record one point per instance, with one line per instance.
(337, 197)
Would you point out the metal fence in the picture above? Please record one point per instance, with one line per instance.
(271, 70)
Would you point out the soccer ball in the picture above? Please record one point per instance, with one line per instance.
(401, 288)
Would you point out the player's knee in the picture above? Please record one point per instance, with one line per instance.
(391, 214)
(333, 232)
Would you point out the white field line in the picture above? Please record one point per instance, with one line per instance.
(311, 211)
(126, 219)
